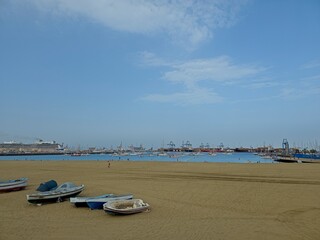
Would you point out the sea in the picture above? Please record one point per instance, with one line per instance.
(236, 157)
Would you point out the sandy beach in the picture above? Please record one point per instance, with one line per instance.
(188, 201)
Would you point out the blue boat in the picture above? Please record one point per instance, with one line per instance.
(82, 201)
(97, 203)
(299, 158)
(308, 156)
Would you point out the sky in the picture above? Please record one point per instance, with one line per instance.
(244, 73)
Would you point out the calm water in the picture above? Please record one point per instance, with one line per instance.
(171, 157)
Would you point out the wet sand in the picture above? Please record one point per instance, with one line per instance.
(188, 201)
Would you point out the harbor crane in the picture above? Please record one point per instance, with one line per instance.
(285, 146)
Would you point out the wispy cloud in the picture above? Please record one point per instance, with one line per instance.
(185, 21)
(263, 83)
(220, 69)
(193, 74)
(292, 93)
(300, 90)
(150, 59)
(308, 85)
(313, 78)
(311, 64)
(194, 96)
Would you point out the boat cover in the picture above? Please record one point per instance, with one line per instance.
(47, 186)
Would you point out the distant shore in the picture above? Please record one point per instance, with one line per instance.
(188, 201)
(236, 157)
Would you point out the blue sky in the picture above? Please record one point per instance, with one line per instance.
(98, 73)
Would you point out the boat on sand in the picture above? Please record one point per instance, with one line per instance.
(82, 201)
(97, 203)
(13, 184)
(65, 190)
(125, 207)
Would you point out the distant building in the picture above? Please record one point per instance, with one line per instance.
(136, 149)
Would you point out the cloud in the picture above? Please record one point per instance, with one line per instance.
(191, 75)
(220, 69)
(262, 84)
(310, 65)
(194, 96)
(299, 92)
(185, 21)
(308, 85)
(312, 78)
(150, 59)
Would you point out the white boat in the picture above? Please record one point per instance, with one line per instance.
(125, 207)
(162, 154)
(13, 185)
(65, 190)
(212, 154)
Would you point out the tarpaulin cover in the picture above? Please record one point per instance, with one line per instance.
(47, 186)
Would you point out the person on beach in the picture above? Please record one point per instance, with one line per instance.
(109, 164)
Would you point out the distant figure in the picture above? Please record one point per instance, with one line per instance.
(109, 164)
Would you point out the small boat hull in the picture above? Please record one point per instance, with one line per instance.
(13, 185)
(126, 207)
(97, 203)
(80, 204)
(52, 199)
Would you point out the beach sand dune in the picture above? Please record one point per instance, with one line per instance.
(188, 201)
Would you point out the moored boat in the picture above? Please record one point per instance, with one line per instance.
(82, 201)
(308, 158)
(13, 185)
(65, 190)
(97, 203)
(125, 207)
(298, 158)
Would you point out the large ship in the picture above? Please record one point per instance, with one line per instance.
(38, 147)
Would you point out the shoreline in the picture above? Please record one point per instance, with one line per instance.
(188, 201)
(220, 157)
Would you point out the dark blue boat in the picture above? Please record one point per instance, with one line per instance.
(82, 201)
(307, 156)
(97, 203)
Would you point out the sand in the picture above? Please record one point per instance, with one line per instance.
(188, 201)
